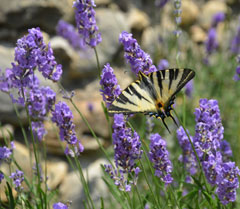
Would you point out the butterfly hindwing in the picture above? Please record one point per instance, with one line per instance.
(144, 94)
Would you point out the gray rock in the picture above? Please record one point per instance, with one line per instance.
(71, 188)
(138, 19)
(6, 131)
(23, 14)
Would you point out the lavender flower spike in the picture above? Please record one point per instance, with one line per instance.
(163, 64)
(110, 88)
(138, 59)
(235, 44)
(188, 157)
(229, 183)
(159, 156)
(127, 146)
(62, 116)
(59, 205)
(17, 179)
(68, 32)
(127, 149)
(217, 18)
(86, 22)
(5, 153)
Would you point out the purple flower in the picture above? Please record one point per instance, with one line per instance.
(235, 44)
(127, 145)
(62, 116)
(86, 22)
(17, 179)
(217, 18)
(68, 32)
(59, 205)
(161, 3)
(40, 102)
(138, 59)
(110, 88)
(119, 178)
(237, 74)
(228, 183)
(163, 64)
(209, 129)
(225, 150)
(5, 153)
(189, 88)
(188, 157)
(211, 42)
(32, 52)
(1, 177)
(159, 156)
(127, 149)
(213, 151)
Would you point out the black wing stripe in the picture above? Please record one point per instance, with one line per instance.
(128, 91)
(186, 76)
(176, 73)
(163, 74)
(137, 94)
(114, 108)
(171, 77)
(123, 99)
(151, 77)
(159, 81)
(149, 86)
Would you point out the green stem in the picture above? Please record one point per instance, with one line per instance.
(91, 130)
(23, 132)
(85, 185)
(176, 202)
(34, 147)
(149, 186)
(88, 125)
(98, 63)
(139, 196)
(193, 148)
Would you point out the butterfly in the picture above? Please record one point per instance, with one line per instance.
(152, 94)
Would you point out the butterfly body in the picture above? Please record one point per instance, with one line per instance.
(152, 94)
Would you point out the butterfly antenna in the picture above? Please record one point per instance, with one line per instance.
(174, 120)
(166, 125)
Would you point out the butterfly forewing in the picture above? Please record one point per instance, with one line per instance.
(135, 98)
(143, 94)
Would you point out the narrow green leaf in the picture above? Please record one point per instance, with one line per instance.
(11, 198)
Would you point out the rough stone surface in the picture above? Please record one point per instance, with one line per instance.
(6, 131)
(198, 34)
(71, 188)
(138, 19)
(190, 12)
(23, 14)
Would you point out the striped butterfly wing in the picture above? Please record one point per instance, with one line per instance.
(145, 94)
(168, 83)
(134, 99)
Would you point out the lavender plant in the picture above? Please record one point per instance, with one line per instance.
(144, 172)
